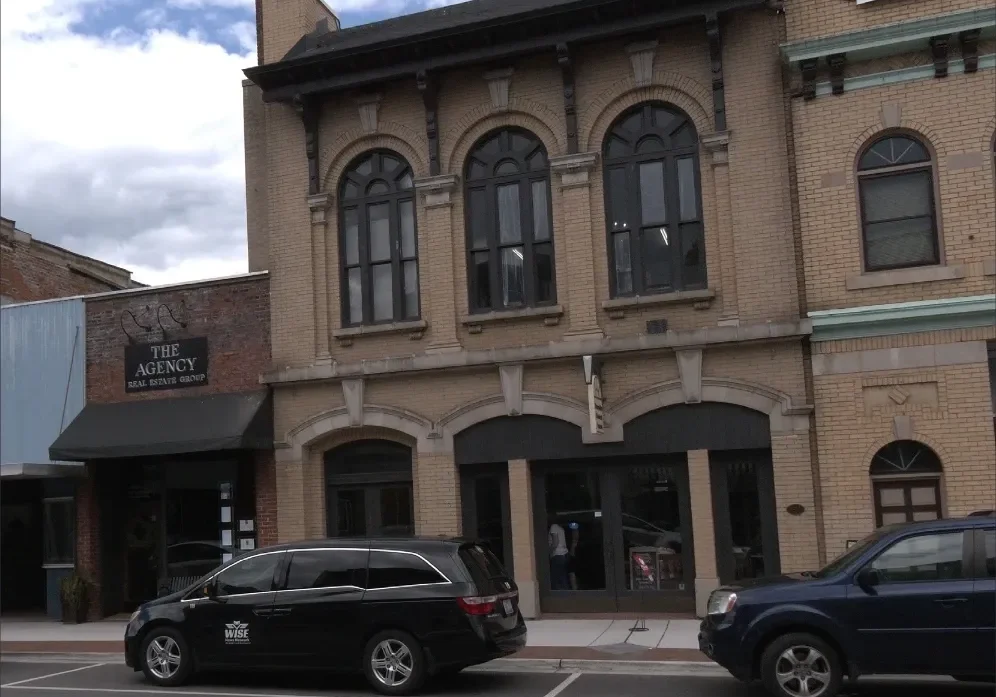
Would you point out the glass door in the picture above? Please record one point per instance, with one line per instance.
(614, 536)
(486, 517)
(376, 510)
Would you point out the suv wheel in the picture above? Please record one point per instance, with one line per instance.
(165, 657)
(394, 663)
(801, 665)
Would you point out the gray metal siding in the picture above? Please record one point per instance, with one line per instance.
(42, 376)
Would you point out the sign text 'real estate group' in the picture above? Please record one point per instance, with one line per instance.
(166, 365)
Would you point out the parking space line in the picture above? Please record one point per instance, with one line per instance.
(563, 686)
(168, 691)
(51, 675)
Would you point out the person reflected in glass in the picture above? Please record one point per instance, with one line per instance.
(557, 543)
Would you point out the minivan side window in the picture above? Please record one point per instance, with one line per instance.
(252, 575)
(327, 568)
(933, 557)
(392, 569)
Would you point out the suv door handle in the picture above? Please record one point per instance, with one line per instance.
(950, 602)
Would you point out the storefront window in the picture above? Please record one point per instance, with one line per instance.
(194, 546)
(574, 531)
(745, 520)
(651, 528)
(59, 531)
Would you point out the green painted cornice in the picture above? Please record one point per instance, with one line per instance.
(904, 318)
(890, 39)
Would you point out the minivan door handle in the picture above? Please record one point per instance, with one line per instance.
(280, 611)
(950, 602)
(262, 611)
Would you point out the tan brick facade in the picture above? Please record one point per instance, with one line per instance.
(430, 383)
(912, 379)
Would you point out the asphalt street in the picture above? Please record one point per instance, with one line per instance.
(35, 679)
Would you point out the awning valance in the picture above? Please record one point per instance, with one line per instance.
(233, 421)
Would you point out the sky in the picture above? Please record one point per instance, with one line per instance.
(121, 127)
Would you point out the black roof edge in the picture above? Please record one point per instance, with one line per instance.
(680, 11)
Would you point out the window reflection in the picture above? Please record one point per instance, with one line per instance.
(651, 528)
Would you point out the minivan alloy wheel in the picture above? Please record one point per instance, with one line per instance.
(392, 662)
(163, 657)
(802, 671)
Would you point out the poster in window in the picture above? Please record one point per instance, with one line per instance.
(643, 569)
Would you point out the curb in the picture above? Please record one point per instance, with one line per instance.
(500, 665)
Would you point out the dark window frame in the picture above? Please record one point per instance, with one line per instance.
(672, 201)
(397, 194)
(489, 222)
(908, 509)
(864, 174)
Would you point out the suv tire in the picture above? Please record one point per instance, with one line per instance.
(165, 657)
(801, 657)
(388, 656)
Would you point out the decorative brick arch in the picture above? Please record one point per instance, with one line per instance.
(922, 132)
(521, 113)
(493, 406)
(784, 416)
(670, 87)
(321, 426)
(989, 136)
(883, 441)
(354, 142)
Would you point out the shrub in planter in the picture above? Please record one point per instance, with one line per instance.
(75, 598)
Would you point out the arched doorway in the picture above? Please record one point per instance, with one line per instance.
(369, 490)
(906, 483)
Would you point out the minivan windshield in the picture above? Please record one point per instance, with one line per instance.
(841, 562)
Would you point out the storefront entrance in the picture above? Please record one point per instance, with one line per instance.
(614, 535)
(486, 516)
(369, 490)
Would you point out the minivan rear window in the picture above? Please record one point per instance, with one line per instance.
(483, 566)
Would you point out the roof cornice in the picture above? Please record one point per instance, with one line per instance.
(904, 318)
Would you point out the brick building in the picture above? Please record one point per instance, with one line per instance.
(176, 436)
(894, 130)
(535, 277)
(33, 270)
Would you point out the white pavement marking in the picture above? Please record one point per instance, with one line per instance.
(563, 686)
(50, 675)
(170, 691)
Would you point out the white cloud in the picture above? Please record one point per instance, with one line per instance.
(127, 148)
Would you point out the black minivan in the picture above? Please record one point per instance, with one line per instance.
(398, 610)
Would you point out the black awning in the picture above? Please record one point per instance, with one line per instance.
(234, 421)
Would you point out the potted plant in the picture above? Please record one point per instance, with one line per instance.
(73, 592)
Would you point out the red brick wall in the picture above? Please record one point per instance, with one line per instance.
(266, 500)
(233, 315)
(27, 275)
(88, 538)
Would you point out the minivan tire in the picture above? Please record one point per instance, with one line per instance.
(825, 660)
(405, 650)
(169, 642)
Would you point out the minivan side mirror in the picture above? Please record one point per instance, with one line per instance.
(211, 592)
(868, 578)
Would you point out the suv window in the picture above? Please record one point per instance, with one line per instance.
(252, 575)
(483, 566)
(392, 569)
(933, 557)
(327, 568)
(989, 542)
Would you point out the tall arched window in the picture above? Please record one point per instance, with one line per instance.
(509, 224)
(906, 480)
(898, 216)
(652, 202)
(378, 246)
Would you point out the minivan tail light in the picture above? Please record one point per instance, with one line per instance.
(478, 605)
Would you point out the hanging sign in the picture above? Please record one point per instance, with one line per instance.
(166, 365)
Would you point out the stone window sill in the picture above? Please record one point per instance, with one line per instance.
(901, 277)
(550, 315)
(701, 299)
(414, 328)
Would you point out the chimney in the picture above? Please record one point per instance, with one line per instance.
(281, 23)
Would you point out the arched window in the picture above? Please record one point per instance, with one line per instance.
(509, 224)
(906, 479)
(898, 215)
(369, 490)
(378, 246)
(652, 203)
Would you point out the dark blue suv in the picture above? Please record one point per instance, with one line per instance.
(908, 599)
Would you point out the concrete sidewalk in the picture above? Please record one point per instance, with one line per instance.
(563, 639)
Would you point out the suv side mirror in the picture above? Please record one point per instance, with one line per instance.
(868, 578)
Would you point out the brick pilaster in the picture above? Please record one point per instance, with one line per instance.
(793, 471)
(438, 494)
(520, 484)
(703, 527)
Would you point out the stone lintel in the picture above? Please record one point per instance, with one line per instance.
(438, 190)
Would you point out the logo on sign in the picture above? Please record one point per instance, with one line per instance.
(237, 633)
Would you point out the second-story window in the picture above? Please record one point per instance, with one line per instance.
(652, 204)
(509, 225)
(378, 246)
(898, 218)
